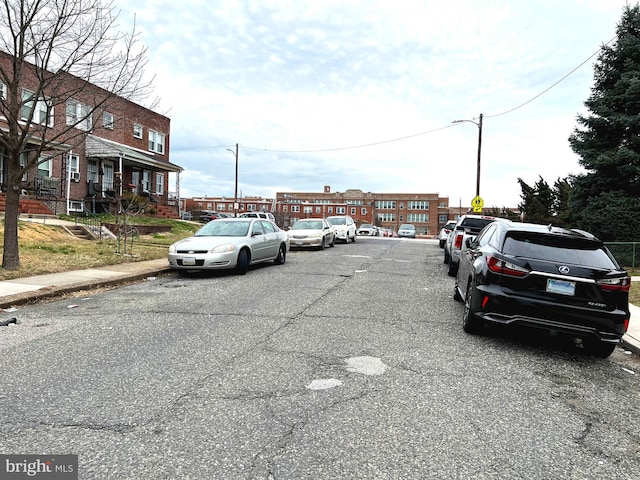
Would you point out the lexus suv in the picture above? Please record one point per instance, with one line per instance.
(558, 280)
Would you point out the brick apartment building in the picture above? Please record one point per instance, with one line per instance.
(122, 147)
(427, 211)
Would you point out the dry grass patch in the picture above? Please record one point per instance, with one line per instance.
(51, 249)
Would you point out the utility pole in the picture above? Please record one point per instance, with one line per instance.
(235, 197)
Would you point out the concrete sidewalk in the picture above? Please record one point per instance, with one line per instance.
(26, 290)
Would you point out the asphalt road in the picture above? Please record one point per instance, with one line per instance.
(347, 363)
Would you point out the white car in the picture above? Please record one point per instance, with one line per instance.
(345, 227)
(445, 231)
(266, 215)
(367, 229)
(230, 243)
(407, 230)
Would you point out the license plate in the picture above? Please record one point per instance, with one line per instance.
(561, 287)
(188, 261)
(299, 242)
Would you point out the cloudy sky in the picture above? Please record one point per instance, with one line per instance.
(362, 93)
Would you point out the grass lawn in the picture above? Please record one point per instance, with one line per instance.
(50, 249)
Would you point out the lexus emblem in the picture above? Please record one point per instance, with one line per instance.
(563, 269)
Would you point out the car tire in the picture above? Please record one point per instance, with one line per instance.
(593, 346)
(242, 266)
(453, 269)
(353, 239)
(282, 255)
(446, 256)
(470, 322)
(441, 243)
(322, 245)
(333, 242)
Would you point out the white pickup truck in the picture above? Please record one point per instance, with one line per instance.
(466, 226)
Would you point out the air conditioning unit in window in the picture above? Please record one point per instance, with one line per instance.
(75, 176)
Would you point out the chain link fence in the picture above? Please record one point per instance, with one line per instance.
(626, 253)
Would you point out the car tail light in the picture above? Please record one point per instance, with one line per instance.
(458, 243)
(615, 284)
(497, 265)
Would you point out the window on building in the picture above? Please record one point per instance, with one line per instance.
(308, 210)
(330, 209)
(363, 211)
(318, 209)
(76, 206)
(341, 210)
(74, 166)
(44, 168)
(79, 115)
(386, 205)
(42, 109)
(156, 141)
(442, 219)
(251, 207)
(146, 181)
(159, 183)
(137, 130)
(107, 120)
(418, 205)
(418, 218)
(221, 207)
(295, 209)
(285, 208)
(353, 210)
(92, 171)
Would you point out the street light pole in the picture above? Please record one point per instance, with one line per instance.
(235, 197)
(479, 125)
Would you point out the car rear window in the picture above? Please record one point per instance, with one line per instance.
(554, 248)
(476, 223)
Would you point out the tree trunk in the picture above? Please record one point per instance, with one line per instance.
(11, 254)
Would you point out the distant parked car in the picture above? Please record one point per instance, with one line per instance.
(312, 232)
(408, 230)
(230, 243)
(445, 231)
(207, 216)
(562, 281)
(366, 229)
(345, 227)
(266, 215)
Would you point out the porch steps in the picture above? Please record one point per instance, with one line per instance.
(27, 206)
(166, 211)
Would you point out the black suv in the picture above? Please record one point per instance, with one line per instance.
(559, 280)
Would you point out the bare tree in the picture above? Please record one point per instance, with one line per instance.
(51, 53)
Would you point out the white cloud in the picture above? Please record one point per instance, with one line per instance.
(296, 83)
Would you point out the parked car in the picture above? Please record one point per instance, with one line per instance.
(466, 226)
(407, 230)
(564, 281)
(265, 215)
(445, 231)
(345, 227)
(312, 232)
(207, 216)
(367, 229)
(230, 243)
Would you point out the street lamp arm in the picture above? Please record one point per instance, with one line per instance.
(479, 125)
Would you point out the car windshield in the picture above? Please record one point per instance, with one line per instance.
(366, 225)
(558, 249)
(307, 225)
(407, 227)
(222, 228)
(337, 220)
(476, 223)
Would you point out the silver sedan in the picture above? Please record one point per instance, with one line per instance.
(312, 232)
(230, 243)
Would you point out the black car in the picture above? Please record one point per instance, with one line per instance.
(562, 281)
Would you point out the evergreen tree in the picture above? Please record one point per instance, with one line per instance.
(537, 202)
(606, 200)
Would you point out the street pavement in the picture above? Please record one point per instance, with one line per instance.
(20, 291)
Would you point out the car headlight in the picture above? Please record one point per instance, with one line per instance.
(315, 235)
(227, 247)
(173, 248)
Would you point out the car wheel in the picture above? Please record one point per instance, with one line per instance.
(441, 243)
(243, 262)
(593, 346)
(322, 245)
(333, 242)
(282, 255)
(353, 239)
(453, 268)
(446, 256)
(470, 323)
